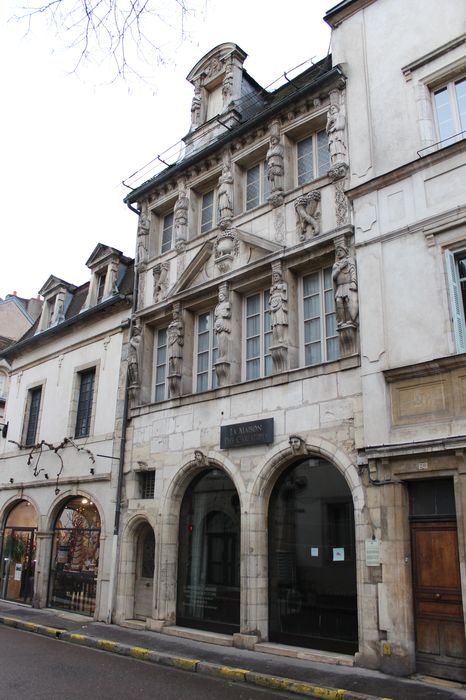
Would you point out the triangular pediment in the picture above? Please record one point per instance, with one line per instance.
(53, 285)
(101, 254)
(231, 250)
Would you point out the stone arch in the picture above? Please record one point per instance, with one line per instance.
(11, 503)
(281, 457)
(127, 563)
(18, 549)
(60, 500)
(167, 551)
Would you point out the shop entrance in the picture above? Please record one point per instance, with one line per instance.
(438, 606)
(19, 554)
(209, 554)
(144, 579)
(75, 557)
(312, 562)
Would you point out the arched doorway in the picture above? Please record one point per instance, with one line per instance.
(144, 574)
(19, 553)
(209, 554)
(312, 560)
(75, 557)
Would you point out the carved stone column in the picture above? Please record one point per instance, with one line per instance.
(175, 337)
(222, 329)
(345, 286)
(180, 216)
(279, 307)
(275, 165)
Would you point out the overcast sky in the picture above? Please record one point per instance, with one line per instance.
(68, 140)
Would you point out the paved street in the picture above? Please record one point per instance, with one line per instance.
(39, 668)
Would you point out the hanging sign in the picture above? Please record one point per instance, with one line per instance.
(255, 432)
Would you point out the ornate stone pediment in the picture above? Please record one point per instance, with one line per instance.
(101, 255)
(232, 249)
(54, 285)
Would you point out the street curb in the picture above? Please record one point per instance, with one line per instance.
(227, 673)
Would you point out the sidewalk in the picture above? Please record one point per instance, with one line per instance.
(302, 677)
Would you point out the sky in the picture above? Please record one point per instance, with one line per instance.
(69, 137)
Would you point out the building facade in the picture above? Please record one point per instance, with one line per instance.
(59, 454)
(296, 443)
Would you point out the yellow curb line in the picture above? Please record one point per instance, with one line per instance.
(182, 663)
(228, 672)
(139, 652)
(79, 637)
(107, 645)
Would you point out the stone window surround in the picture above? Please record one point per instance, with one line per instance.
(73, 410)
(193, 306)
(432, 71)
(41, 383)
(241, 161)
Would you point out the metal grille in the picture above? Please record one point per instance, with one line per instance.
(147, 484)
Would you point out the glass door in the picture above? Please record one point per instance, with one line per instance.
(18, 564)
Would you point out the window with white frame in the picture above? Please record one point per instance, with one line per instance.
(312, 157)
(456, 276)
(450, 111)
(258, 335)
(167, 233)
(206, 352)
(207, 211)
(101, 278)
(161, 390)
(257, 185)
(321, 343)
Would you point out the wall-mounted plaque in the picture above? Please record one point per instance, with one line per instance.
(255, 432)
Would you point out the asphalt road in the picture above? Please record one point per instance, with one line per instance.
(38, 668)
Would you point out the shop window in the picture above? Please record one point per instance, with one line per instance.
(456, 277)
(161, 389)
(321, 343)
(147, 483)
(312, 157)
(18, 557)
(32, 415)
(208, 211)
(167, 233)
(258, 335)
(75, 557)
(85, 403)
(206, 352)
(312, 561)
(450, 111)
(209, 554)
(257, 185)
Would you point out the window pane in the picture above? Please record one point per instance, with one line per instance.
(333, 349)
(252, 347)
(313, 354)
(202, 382)
(330, 325)
(203, 323)
(305, 169)
(444, 116)
(460, 88)
(207, 213)
(86, 391)
(167, 233)
(311, 284)
(202, 362)
(312, 306)
(252, 326)
(253, 305)
(252, 369)
(323, 159)
(252, 187)
(33, 419)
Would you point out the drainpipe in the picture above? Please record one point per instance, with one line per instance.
(121, 463)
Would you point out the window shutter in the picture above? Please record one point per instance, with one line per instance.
(456, 302)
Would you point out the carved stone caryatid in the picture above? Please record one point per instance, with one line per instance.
(160, 276)
(134, 351)
(336, 122)
(338, 175)
(143, 236)
(175, 338)
(275, 166)
(180, 216)
(222, 327)
(308, 214)
(278, 302)
(196, 106)
(345, 285)
(225, 196)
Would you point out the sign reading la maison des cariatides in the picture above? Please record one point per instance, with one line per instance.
(254, 432)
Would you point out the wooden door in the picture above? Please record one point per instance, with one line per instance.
(144, 582)
(438, 608)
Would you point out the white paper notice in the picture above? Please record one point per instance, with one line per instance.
(338, 554)
(314, 551)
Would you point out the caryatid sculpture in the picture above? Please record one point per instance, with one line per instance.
(175, 337)
(180, 216)
(278, 301)
(335, 128)
(133, 360)
(345, 285)
(275, 166)
(142, 236)
(225, 195)
(223, 321)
